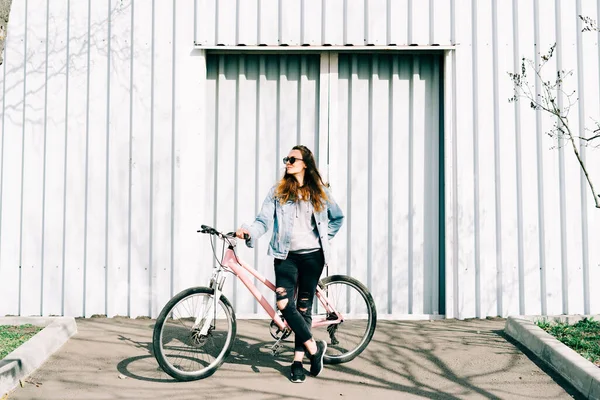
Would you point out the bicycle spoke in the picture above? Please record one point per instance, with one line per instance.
(348, 338)
(183, 346)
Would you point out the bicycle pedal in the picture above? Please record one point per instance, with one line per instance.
(274, 348)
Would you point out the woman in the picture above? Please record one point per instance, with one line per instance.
(304, 217)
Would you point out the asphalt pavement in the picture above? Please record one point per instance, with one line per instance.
(110, 358)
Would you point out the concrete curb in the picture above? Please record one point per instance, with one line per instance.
(581, 373)
(33, 353)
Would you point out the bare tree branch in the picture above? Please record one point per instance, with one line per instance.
(546, 101)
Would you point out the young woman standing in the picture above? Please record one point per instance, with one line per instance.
(304, 217)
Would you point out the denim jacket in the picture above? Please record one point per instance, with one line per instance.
(329, 220)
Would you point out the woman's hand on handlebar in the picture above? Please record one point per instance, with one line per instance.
(242, 233)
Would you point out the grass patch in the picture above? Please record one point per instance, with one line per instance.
(583, 337)
(12, 336)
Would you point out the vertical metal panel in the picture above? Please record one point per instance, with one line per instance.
(268, 22)
(529, 175)
(464, 166)
(398, 28)
(376, 22)
(291, 17)
(75, 159)
(590, 77)
(33, 160)
(540, 176)
(354, 22)
(54, 164)
(95, 217)
(450, 283)
(589, 10)
(485, 168)
(205, 21)
(573, 213)
(162, 156)
(550, 194)
(334, 28)
(246, 155)
(247, 20)
(13, 106)
(226, 21)
(141, 161)
(312, 25)
(118, 155)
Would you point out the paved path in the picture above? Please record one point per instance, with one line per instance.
(448, 359)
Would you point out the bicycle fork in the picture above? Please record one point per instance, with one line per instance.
(216, 283)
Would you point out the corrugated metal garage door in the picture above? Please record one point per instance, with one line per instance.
(385, 170)
(384, 152)
(258, 107)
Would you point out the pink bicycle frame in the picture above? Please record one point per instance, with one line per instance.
(237, 266)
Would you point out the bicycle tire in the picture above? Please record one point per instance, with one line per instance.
(168, 347)
(352, 326)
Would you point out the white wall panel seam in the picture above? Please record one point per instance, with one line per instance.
(366, 20)
(43, 236)
(107, 181)
(279, 24)
(86, 174)
(393, 70)
(173, 143)
(64, 217)
(151, 185)
(388, 22)
(497, 163)
(561, 155)
(476, 210)
(130, 163)
(411, 184)
(2, 145)
(431, 23)
(454, 134)
(370, 174)
(521, 268)
(261, 70)
(540, 169)
(582, 150)
(23, 156)
(220, 70)
(349, 218)
(236, 175)
(409, 25)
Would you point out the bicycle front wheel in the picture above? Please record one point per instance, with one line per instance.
(181, 346)
(352, 299)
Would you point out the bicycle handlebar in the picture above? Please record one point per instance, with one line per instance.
(212, 231)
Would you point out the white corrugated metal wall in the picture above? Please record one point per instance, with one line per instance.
(100, 102)
(101, 187)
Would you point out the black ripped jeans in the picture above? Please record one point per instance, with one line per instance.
(301, 271)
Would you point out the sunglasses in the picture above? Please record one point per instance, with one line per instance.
(291, 160)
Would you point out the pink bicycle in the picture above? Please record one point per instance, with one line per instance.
(195, 330)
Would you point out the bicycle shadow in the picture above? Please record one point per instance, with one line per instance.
(256, 355)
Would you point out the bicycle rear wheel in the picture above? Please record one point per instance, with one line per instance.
(180, 348)
(349, 338)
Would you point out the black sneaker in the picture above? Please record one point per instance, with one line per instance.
(316, 360)
(297, 372)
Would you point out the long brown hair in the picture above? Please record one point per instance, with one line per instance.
(288, 187)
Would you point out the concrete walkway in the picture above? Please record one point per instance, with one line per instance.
(446, 359)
